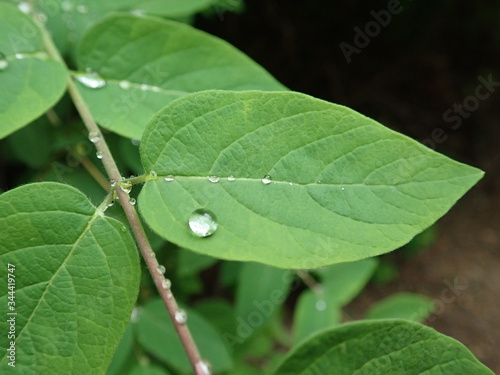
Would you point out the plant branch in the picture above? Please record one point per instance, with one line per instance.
(309, 281)
(111, 168)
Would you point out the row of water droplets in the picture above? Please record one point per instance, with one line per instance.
(4, 61)
(93, 80)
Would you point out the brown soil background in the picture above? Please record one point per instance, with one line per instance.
(428, 58)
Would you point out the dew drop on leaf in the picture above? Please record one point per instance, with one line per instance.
(124, 85)
(24, 7)
(321, 305)
(202, 223)
(90, 79)
(169, 178)
(266, 180)
(67, 6)
(4, 64)
(153, 174)
(180, 316)
(83, 9)
(231, 178)
(213, 179)
(160, 269)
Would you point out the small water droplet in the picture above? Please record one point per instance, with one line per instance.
(126, 186)
(181, 317)
(321, 305)
(83, 9)
(343, 189)
(203, 367)
(124, 85)
(319, 182)
(160, 269)
(290, 183)
(20, 56)
(110, 204)
(99, 154)
(213, 179)
(166, 284)
(169, 178)
(156, 89)
(94, 137)
(67, 6)
(144, 87)
(202, 223)
(231, 178)
(24, 7)
(4, 64)
(132, 201)
(153, 174)
(90, 79)
(124, 229)
(134, 317)
(112, 183)
(135, 142)
(41, 17)
(266, 180)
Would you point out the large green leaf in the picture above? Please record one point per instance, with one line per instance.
(76, 280)
(25, 70)
(342, 186)
(389, 347)
(157, 335)
(147, 62)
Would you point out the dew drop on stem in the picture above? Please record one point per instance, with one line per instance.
(202, 223)
(99, 154)
(132, 201)
(94, 137)
(267, 180)
(203, 367)
(231, 178)
(166, 284)
(180, 316)
(160, 270)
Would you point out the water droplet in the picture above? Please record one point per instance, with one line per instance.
(91, 79)
(126, 186)
(24, 7)
(132, 201)
(83, 9)
(213, 179)
(160, 269)
(181, 317)
(290, 183)
(134, 317)
(231, 178)
(343, 189)
(203, 367)
(67, 6)
(124, 229)
(99, 154)
(156, 89)
(321, 305)
(153, 174)
(112, 183)
(4, 64)
(266, 180)
(169, 178)
(20, 56)
(94, 137)
(124, 85)
(110, 204)
(202, 223)
(319, 182)
(144, 87)
(41, 17)
(135, 142)
(166, 284)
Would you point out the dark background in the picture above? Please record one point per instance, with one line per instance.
(426, 60)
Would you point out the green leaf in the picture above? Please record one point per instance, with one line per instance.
(76, 280)
(157, 335)
(25, 70)
(173, 8)
(147, 62)
(343, 282)
(191, 263)
(357, 188)
(123, 352)
(402, 306)
(148, 369)
(261, 291)
(314, 312)
(389, 347)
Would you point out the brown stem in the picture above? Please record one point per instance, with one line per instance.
(130, 211)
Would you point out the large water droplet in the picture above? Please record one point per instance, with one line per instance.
(126, 186)
(213, 179)
(202, 223)
(24, 7)
(94, 137)
(231, 178)
(203, 367)
(91, 79)
(169, 178)
(161, 269)
(4, 64)
(181, 317)
(267, 180)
